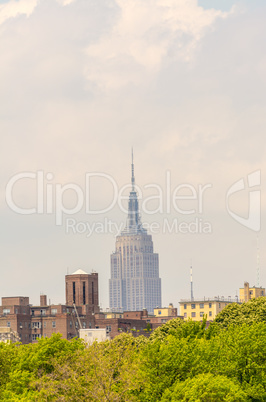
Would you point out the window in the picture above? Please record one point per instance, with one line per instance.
(201, 305)
(84, 325)
(108, 328)
(219, 305)
(36, 325)
(36, 336)
(163, 320)
(193, 305)
(84, 293)
(53, 324)
(74, 292)
(210, 313)
(92, 293)
(16, 311)
(32, 312)
(185, 306)
(210, 305)
(8, 324)
(54, 311)
(6, 311)
(159, 312)
(185, 315)
(43, 312)
(193, 314)
(44, 324)
(201, 314)
(20, 325)
(70, 324)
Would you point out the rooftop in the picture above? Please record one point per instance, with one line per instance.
(211, 299)
(80, 272)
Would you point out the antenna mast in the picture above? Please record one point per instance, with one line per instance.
(132, 171)
(258, 263)
(191, 283)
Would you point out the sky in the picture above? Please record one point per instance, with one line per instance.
(183, 83)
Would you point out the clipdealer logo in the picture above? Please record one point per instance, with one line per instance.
(253, 220)
(184, 199)
(51, 198)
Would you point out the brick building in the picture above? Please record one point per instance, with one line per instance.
(82, 298)
(82, 290)
(33, 322)
(135, 322)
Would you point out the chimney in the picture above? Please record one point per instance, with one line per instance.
(144, 313)
(43, 300)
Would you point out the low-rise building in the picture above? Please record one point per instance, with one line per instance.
(169, 311)
(94, 334)
(197, 309)
(8, 335)
(136, 322)
(246, 293)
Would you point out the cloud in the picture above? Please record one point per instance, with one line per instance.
(14, 8)
(145, 34)
(65, 2)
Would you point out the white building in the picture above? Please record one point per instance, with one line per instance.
(91, 335)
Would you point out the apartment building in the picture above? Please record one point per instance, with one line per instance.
(197, 309)
(33, 322)
(246, 293)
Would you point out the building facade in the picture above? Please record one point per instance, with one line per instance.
(82, 290)
(246, 293)
(135, 322)
(198, 309)
(135, 282)
(34, 322)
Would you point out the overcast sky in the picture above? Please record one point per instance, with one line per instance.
(83, 81)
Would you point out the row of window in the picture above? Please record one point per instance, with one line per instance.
(39, 324)
(201, 314)
(201, 305)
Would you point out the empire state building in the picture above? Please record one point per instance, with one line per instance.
(135, 282)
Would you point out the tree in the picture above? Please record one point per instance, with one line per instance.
(206, 388)
(106, 371)
(251, 312)
(180, 329)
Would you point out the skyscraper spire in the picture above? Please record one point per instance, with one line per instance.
(132, 171)
(134, 224)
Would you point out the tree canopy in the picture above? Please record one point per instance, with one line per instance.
(180, 361)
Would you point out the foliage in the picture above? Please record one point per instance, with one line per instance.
(180, 361)
(29, 362)
(206, 388)
(179, 328)
(106, 371)
(251, 312)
